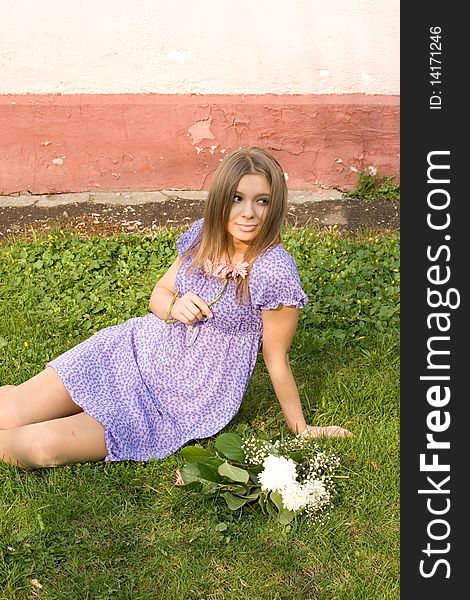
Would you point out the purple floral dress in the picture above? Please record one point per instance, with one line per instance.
(155, 386)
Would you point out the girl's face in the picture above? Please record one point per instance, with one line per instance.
(249, 209)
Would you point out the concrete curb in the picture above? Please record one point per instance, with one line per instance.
(136, 198)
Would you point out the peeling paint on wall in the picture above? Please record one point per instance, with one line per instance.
(201, 131)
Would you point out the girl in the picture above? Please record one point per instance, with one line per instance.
(144, 388)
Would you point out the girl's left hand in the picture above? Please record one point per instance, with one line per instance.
(190, 308)
(330, 431)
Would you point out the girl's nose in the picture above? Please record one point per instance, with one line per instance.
(248, 209)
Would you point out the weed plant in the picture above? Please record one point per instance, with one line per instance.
(123, 530)
(375, 187)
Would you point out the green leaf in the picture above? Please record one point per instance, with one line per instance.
(233, 473)
(214, 462)
(190, 473)
(284, 516)
(272, 512)
(230, 445)
(209, 488)
(296, 456)
(195, 485)
(208, 473)
(262, 502)
(255, 470)
(221, 526)
(194, 453)
(239, 490)
(277, 500)
(199, 472)
(233, 502)
(253, 496)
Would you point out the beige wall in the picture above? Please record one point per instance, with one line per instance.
(205, 47)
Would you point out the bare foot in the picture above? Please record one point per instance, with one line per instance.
(179, 480)
(330, 431)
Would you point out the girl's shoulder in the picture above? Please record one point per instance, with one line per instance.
(275, 256)
(189, 238)
(274, 280)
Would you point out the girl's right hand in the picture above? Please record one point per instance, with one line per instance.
(190, 308)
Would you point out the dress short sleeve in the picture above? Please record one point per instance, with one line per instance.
(187, 239)
(274, 280)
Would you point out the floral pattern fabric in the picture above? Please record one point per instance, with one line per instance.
(155, 386)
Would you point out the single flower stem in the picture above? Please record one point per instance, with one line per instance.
(219, 294)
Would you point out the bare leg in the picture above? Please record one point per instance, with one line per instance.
(41, 398)
(4, 389)
(62, 441)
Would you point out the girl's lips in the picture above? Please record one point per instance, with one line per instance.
(247, 227)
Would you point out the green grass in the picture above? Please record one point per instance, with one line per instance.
(123, 530)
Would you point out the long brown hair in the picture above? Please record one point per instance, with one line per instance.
(213, 239)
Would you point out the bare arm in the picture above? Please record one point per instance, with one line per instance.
(279, 327)
(164, 291)
(188, 309)
(278, 330)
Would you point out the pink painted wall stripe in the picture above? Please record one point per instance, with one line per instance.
(142, 142)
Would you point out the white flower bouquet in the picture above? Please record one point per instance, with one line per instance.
(285, 477)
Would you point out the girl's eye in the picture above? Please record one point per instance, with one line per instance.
(237, 198)
(263, 200)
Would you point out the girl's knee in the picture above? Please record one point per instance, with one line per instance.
(34, 450)
(77, 438)
(47, 452)
(9, 417)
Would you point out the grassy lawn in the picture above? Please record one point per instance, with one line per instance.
(124, 530)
